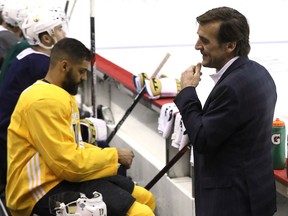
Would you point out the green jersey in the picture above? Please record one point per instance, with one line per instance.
(11, 55)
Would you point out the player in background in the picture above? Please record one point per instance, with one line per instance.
(23, 43)
(2, 2)
(13, 13)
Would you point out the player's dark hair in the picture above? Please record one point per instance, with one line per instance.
(70, 49)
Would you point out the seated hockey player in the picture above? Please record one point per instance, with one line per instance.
(42, 29)
(46, 154)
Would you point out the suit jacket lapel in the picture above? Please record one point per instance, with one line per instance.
(240, 61)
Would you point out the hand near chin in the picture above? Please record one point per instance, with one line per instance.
(191, 76)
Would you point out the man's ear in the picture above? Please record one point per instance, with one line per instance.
(231, 46)
(64, 64)
(46, 39)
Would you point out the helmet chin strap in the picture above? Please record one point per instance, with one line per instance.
(46, 47)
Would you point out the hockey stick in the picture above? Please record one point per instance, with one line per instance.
(168, 166)
(136, 100)
(92, 40)
(72, 9)
(66, 6)
(4, 211)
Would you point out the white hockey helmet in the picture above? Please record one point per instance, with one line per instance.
(14, 12)
(81, 206)
(2, 3)
(42, 20)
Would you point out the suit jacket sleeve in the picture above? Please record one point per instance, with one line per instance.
(207, 130)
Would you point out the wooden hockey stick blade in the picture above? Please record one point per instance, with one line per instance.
(168, 166)
(160, 65)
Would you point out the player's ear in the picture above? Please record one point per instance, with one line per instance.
(64, 65)
(46, 39)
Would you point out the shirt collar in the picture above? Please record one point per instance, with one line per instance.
(216, 76)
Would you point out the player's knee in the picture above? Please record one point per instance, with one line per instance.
(138, 209)
(144, 196)
(150, 200)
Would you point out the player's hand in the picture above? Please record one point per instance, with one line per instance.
(125, 157)
(191, 76)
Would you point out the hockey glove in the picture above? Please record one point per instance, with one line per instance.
(162, 87)
(139, 81)
(179, 136)
(166, 119)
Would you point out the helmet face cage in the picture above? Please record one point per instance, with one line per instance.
(40, 21)
(88, 131)
(93, 130)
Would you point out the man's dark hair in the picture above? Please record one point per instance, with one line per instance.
(70, 49)
(233, 28)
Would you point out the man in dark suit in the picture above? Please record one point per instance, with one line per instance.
(231, 134)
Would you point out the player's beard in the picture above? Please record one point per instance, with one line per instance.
(70, 85)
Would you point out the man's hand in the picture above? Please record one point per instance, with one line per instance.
(125, 157)
(191, 76)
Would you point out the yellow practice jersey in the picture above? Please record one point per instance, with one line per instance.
(45, 147)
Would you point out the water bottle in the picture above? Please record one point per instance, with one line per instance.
(279, 141)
